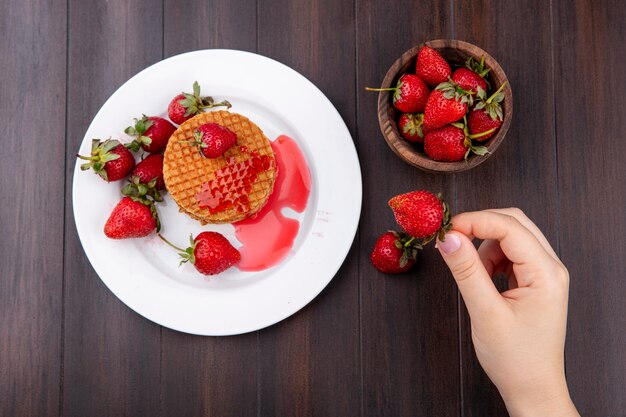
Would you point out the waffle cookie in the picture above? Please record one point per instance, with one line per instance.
(224, 189)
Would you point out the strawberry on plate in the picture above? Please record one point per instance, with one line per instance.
(210, 252)
(109, 159)
(150, 168)
(213, 140)
(184, 106)
(410, 94)
(131, 218)
(394, 253)
(152, 133)
(487, 114)
(446, 104)
(410, 126)
(431, 67)
(421, 214)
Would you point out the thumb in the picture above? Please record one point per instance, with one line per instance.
(475, 284)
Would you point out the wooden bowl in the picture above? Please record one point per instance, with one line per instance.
(456, 53)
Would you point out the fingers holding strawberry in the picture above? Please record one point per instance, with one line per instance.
(421, 214)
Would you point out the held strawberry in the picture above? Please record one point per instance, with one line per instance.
(421, 214)
(431, 67)
(210, 252)
(472, 76)
(394, 253)
(452, 143)
(131, 218)
(446, 104)
(213, 140)
(487, 114)
(152, 133)
(109, 159)
(410, 94)
(185, 105)
(410, 126)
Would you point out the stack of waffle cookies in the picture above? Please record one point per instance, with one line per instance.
(226, 189)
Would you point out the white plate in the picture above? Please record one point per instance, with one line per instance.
(144, 273)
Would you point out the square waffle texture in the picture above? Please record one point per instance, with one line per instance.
(185, 170)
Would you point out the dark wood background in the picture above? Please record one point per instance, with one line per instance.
(369, 345)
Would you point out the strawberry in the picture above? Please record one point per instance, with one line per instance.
(152, 133)
(213, 140)
(149, 169)
(421, 214)
(410, 94)
(131, 218)
(109, 159)
(431, 67)
(487, 113)
(446, 104)
(453, 143)
(472, 76)
(185, 105)
(210, 252)
(410, 126)
(394, 253)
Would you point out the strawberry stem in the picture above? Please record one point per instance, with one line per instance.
(497, 91)
(406, 245)
(481, 134)
(169, 243)
(382, 89)
(225, 103)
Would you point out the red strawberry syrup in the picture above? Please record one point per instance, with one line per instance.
(267, 238)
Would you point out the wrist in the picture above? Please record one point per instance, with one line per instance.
(547, 400)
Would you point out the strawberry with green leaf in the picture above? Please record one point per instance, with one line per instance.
(487, 114)
(152, 133)
(446, 104)
(410, 126)
(109, 159)
(453, 143)
(394, 253)
(472, 77)
(184, 106)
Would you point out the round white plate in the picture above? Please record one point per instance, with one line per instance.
(144, 273)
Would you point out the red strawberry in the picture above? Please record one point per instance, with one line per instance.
(410, 94)
(152, 133)
(213, 140)
(109, 159)
(185, 105)
(446, 104)
(421, 214)
(210, 252)
(394, 253)
(486, 114)
(410, 126)
(431, 67)
(149, 169)
(131, 218)
(472, 76)
(451, 143)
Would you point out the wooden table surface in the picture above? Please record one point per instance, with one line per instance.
(369, 344)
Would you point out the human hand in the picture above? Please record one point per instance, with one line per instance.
(518, 335)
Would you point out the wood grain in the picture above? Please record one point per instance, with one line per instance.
(209, 376)
(111, 355)
(523, 171)
(589, 54)
(409, 338)
(32, 76)
(311, 357)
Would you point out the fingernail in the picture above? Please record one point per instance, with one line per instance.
(450, 245)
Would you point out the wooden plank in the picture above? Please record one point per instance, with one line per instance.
(32, 114)
(209, 376)
(589, 58)
(309, 363)
(522, 172)
(111, 353)
(409, 323)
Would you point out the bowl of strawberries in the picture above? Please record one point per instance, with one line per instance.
(445, 106)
